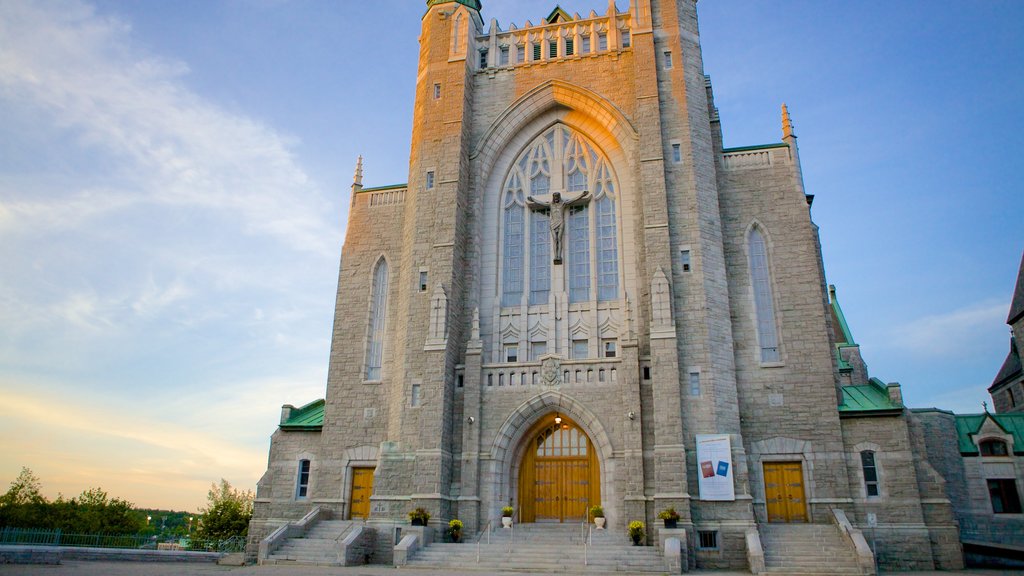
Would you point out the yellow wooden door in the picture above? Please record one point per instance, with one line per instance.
(558, 479)
(784, 492)
(362, 489)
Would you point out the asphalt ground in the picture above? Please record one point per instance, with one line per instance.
(79, 568)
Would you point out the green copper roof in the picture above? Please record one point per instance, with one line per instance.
(968, 425)
(872, 397)
(309, 417)
(474, 4)
(758, 147)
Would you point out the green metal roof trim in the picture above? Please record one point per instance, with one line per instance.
(758, 147)
(872, 397)
(844, 366)
(379, 188)
(309, 417)
(967, 425)
(558, 11)
(474, 4)
(838, 311)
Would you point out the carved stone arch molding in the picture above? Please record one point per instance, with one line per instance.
(356, 457)
(506, 450)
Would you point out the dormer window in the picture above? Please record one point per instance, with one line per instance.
(993, 448)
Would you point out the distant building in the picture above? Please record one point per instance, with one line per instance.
(581, 297)
(1007, 389)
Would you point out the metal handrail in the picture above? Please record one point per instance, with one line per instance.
(583, 539)
(487, 529)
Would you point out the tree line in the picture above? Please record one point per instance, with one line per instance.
(226, 514)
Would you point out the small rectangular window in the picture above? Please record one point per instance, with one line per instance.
(302, 486)
(503, 56)
(677, 152)
(538, 349)
(647, 372)
(415, 400)
(579, 349)
(867, 462)
(694, 383)
(569, 47)
(423, 280)
(684, 260)
(437, 91)
(584, 44)
(461, 380)
(1003, 494)
(608, 348)
(707, 539)
(625, 39)
(536, 52)
(483, 59)
(602, 42)
(666, 59)
(553, 49)
(520, 53)
(511, 353)
(430, 180)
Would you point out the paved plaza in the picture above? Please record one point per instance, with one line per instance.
(78, 568)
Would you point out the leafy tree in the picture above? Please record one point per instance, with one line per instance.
(93, 512)
(227, 513)
(25, 489)
(23, 505)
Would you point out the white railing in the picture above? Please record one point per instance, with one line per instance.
(557, 41)
(487, 529)
(387, 197)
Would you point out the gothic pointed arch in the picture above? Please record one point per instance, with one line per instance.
(762, 293)
(374, 356)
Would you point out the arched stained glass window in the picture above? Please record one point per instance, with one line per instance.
(760, 278)
(378, 312)
(559, 160)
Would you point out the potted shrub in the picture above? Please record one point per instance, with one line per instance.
(636, 532)
(455, 530)
(598, 513)
(419, 517)
(670, 516)
(506, 516)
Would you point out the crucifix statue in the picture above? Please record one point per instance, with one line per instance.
(556, 214)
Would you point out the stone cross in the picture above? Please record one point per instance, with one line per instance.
(556, 206)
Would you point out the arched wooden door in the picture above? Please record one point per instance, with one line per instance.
(559, 478)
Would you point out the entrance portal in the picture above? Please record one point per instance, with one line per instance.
(362, 489)
(559, 478)
(784, 492)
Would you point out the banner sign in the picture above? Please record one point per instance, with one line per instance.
(714, 467)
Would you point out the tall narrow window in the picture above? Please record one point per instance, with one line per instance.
(456, 34)
(684, 260)
(867, 463)
(694, 383)
(503, 56)
(483, 58)
(763, 301)
(540, 258)
(626, 40)
(607, 242)
(302, 482)
(677, 152)
(378, 310)
(666, 58)
(520, 53)
(579, 254)
(602, 42)
(585, 44)
(415, 398)
(430, 180)
(570, 45)
(553, 49)
(512, 256)
(437, 91)
(536, 52)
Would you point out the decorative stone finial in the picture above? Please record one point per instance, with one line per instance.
(787, 123)
(357, 178)
(985, 406)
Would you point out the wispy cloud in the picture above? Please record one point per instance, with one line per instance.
(959, 332)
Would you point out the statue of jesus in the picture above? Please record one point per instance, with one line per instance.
(556, 214)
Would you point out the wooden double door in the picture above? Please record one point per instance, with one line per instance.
(362, 489)
(784, 492)
(559, 478)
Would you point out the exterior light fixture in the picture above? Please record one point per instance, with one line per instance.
(558, 419)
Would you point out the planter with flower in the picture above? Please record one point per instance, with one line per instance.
(636, 532)
(455, 530)
(506, 516)
(598, 513)
(670, 516)
(419, 517)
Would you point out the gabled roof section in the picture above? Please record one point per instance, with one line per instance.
(309, 417)
(474, 4)
(869, 399)
(1017, 305)
(1011, 369)
(968, 426)
(558, 15)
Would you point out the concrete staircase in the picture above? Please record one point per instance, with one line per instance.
(319, 546)
(807, 549)
(544, 548)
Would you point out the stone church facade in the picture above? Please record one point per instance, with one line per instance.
(576, 287)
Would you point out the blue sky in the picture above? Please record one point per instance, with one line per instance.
(174, 184)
